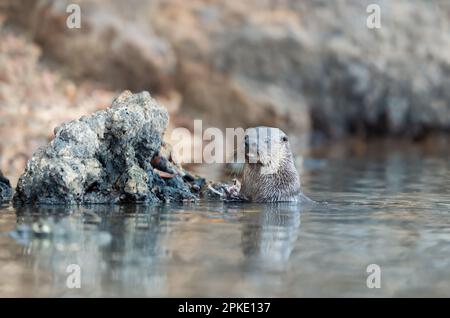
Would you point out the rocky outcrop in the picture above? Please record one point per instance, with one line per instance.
(139, 47)
(299, 65)
(111, 156)
(318, 67)
(109, 47)
(5, 189)
(34, 97)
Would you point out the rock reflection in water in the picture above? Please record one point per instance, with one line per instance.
(139, 250)
(116, 247)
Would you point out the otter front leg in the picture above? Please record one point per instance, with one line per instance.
(232, 192)
(225, 192)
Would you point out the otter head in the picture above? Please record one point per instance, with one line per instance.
(269, 172)
(267, 147)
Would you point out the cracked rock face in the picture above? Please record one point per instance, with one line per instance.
(5, 189)
(106, 158)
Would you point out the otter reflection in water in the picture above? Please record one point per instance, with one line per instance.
(268, 237)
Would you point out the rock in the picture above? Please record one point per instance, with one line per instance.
(111, 46)
(34, 97)
(319, 56)
(303, 66)
(5, 189)
(139, 47)
(106, 157)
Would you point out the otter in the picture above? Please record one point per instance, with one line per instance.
(269, 173)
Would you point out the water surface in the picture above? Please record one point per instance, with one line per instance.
(390, 209)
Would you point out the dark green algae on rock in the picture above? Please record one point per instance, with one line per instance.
(108, 157)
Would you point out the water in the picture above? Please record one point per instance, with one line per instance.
(390, 208)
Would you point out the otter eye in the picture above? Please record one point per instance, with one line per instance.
(284, 139)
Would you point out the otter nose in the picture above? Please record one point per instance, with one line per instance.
(249, 143)
(251, 146)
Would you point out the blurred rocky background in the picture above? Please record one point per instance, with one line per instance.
(310, 67)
